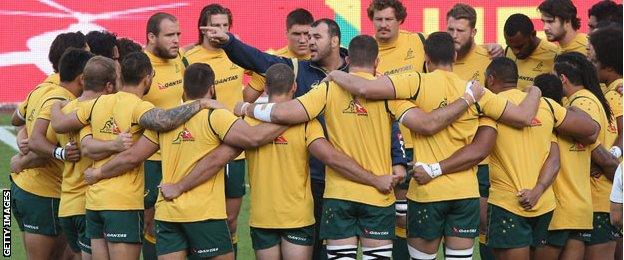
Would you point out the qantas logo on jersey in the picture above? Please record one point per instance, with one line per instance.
(110, 127)
(280, 140)
(577, 147)
(183, 136)
(538, 67)
(398, 70)
(356, 108)
(223, 80)
(167, 85)
(536, 122)
(410, 54)
(525, 78)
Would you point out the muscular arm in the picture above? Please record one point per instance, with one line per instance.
(38, 142)
(161, 120)
(550, 169)
(244, 136)
(521, 115)
(380, 88)
(290, 112)
(430, 123)
(98, 149)
(63, 123)
(20, 162)
(602, 158)
(126, 160)
(472, 154)
(616, 214)
(579, 126)
(250, 94)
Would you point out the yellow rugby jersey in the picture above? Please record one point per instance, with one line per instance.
(579, 44)
(473, 65)
(516, 165)
(406, 54)
(258, 82)
(109, 116)
(43, 181)
(359, 128)
(279, 178)
(53, 78)
(431, 91)
(541, 61)
(614, 97)
(181, 149)
(73, 187)
(573, 185)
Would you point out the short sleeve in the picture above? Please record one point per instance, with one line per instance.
(591, 108)
(313, 131)
(140, 109)
(46, 107)
(257, 82)
(21, 109)
(615, 102)
(314, 101)
(220, 121)
(397, 108)
(491, 105)
(486, 121)
(86, 130)
(616, 190)
(559, 112)
(83, 113)
(151, 135)
(406, 85)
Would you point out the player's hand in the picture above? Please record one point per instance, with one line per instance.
(22, 144)
(494, 50)
(170, 191)
(72, 153)
(215, 34)
(239, 108)
(474, 91)
(535, 89)
(595, 171)
(399, 172)
(384, 183)
(528, 198)
(16, 165)
(123, 141)
(421, 174)
(209, 103)
(92, 175)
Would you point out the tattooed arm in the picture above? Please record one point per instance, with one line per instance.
(162, 120)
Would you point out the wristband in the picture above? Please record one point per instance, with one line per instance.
(263, 112)
(244, 108)
(616, 151)
(469, 90)
(436, 170)
(400, 207)
(59, 153)
(426, 167)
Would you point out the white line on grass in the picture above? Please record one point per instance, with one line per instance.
(8, 138)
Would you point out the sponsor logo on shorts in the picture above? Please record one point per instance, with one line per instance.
(31, 226)
(297, 238)
(117, 235)
(457, 230)
(207, 250)
(376, 233)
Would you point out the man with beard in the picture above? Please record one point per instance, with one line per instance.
(532, 55)
(561, 25)
(163, 36)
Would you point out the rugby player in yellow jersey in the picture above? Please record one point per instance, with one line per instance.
(561, 25)
(36, 191)
(534, 56)
(348, 217)
(298, 23)
(524, 197)
(448, 191)
(572, 218)
(114, 220)
(603, 11)
(228, 91)
(163, 35)
(194, 220)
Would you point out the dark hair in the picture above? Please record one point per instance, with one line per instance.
(198, 77)
(463, 11)
(72, 63)
(102, 43)
(279, 79)
(503, 69)
(299, 16)
(564, 9)
(607, 43)
(580, 71)
(61, 43)
(519, 23)
(440, 48)
(363, 51)
(126, 46)
(606, 10)
(332, 27)
(204, 17)
(377, 5)
(98, 71)
(153, 23)
(134, 67)
(550, 85)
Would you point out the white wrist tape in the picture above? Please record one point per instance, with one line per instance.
(436, 170)
(244, 108)
(616, 151)
(426, 167)
(59, 153)
(469, 90)
(263, 112)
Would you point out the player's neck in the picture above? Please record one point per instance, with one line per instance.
(89, 94)
(208, 47)
(569, 89)
(279, 98)
(73, 87)
(464, 53)
(433, 67)
(567, 38)
(133, 89)
(368, 70)
(388, 41)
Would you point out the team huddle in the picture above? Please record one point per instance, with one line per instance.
(382, 150)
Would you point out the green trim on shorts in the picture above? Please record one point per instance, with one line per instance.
(263, 238)
(483, 177)
(558, 238)
(207, 238)
(235, 179)
(118, 226)
(507, 230)
(153, 176)
(603, 231)
(343, 219)
(35, 214)
(74, 228)
(432, 220)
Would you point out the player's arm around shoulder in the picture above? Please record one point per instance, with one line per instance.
(521, 115)
(575, 123)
